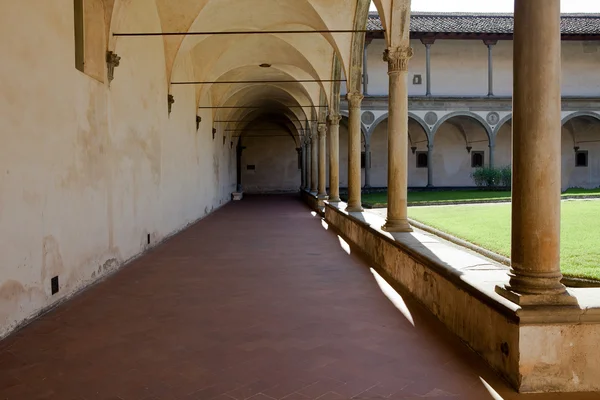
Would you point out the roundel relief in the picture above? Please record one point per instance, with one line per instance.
(493, 118)
(368, 118)
(431, 118)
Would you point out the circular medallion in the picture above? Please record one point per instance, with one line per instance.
(368, 118)
(431, 118)
(493, 118)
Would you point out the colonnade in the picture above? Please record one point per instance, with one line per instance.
(535, 276)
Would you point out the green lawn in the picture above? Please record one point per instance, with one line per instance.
(460, 196)
(488, 225)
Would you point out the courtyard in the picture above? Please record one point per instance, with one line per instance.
(461, 214)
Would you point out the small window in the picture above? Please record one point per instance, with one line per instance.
(581, 159)
(422, 159)
(477, 159)
(79, 35)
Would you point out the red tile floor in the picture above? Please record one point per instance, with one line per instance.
(256, 301)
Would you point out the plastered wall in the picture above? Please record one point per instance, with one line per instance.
(273, 155)
(460, 68)
(88, 172)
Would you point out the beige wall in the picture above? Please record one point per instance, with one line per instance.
(274, 155)
(460, 68)
(88, 172)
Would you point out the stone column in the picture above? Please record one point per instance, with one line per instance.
(428, 42)
(492, 150)
(354, 145)
(490, 44)
(314, 167)
(308, 165)
(322, 161)
(300, 151)
(334, 158)
(430, 165)
(535, 277)
(367, 163)
(397, 218)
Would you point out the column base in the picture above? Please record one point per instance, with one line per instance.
(400, 225)
(529, 300)
(354, 208)
(322, 196)
(335, 199)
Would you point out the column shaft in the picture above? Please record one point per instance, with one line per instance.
(314, 170)
(430, 165)
(354, 145)
(322, 161)
(334, 158)
(535, 274)
(428, 68)
(397, 218)
(367, 163)
(308, 165)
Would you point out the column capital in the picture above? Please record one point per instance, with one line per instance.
(334, 119)
(397, 58)
(354, 100)
(489, 42)
(322, 128)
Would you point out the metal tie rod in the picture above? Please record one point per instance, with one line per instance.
(266, 81)
(221, 33)
(254, 107)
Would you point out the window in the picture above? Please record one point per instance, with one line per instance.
(79, 35)
(363, 160)
(422, 159)
(477, 159)
(581, 158)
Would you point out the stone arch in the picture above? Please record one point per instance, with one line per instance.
(466, 114)
(457, 139)
(578, 114)
(580, 134)
(505, 120)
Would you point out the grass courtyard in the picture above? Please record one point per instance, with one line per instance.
(459, 196)
(488, 226)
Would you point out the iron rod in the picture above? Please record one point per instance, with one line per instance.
(253, 107)
(210, 33)
(265, 81)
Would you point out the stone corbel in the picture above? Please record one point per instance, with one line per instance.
(214, 132)
(397, 58)
(170, 102)
(112, 61)
(198, 120)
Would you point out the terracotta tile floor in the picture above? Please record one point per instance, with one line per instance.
(256, 301)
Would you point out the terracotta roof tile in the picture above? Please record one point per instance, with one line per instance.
(422, 22)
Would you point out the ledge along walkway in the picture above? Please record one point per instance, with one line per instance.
(259, 301)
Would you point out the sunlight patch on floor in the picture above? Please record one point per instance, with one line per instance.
(393, 296)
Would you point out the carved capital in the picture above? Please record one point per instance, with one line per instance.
(334, 119)
(354, 100)
(397, 58)
(112, 61)
(322, 130)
